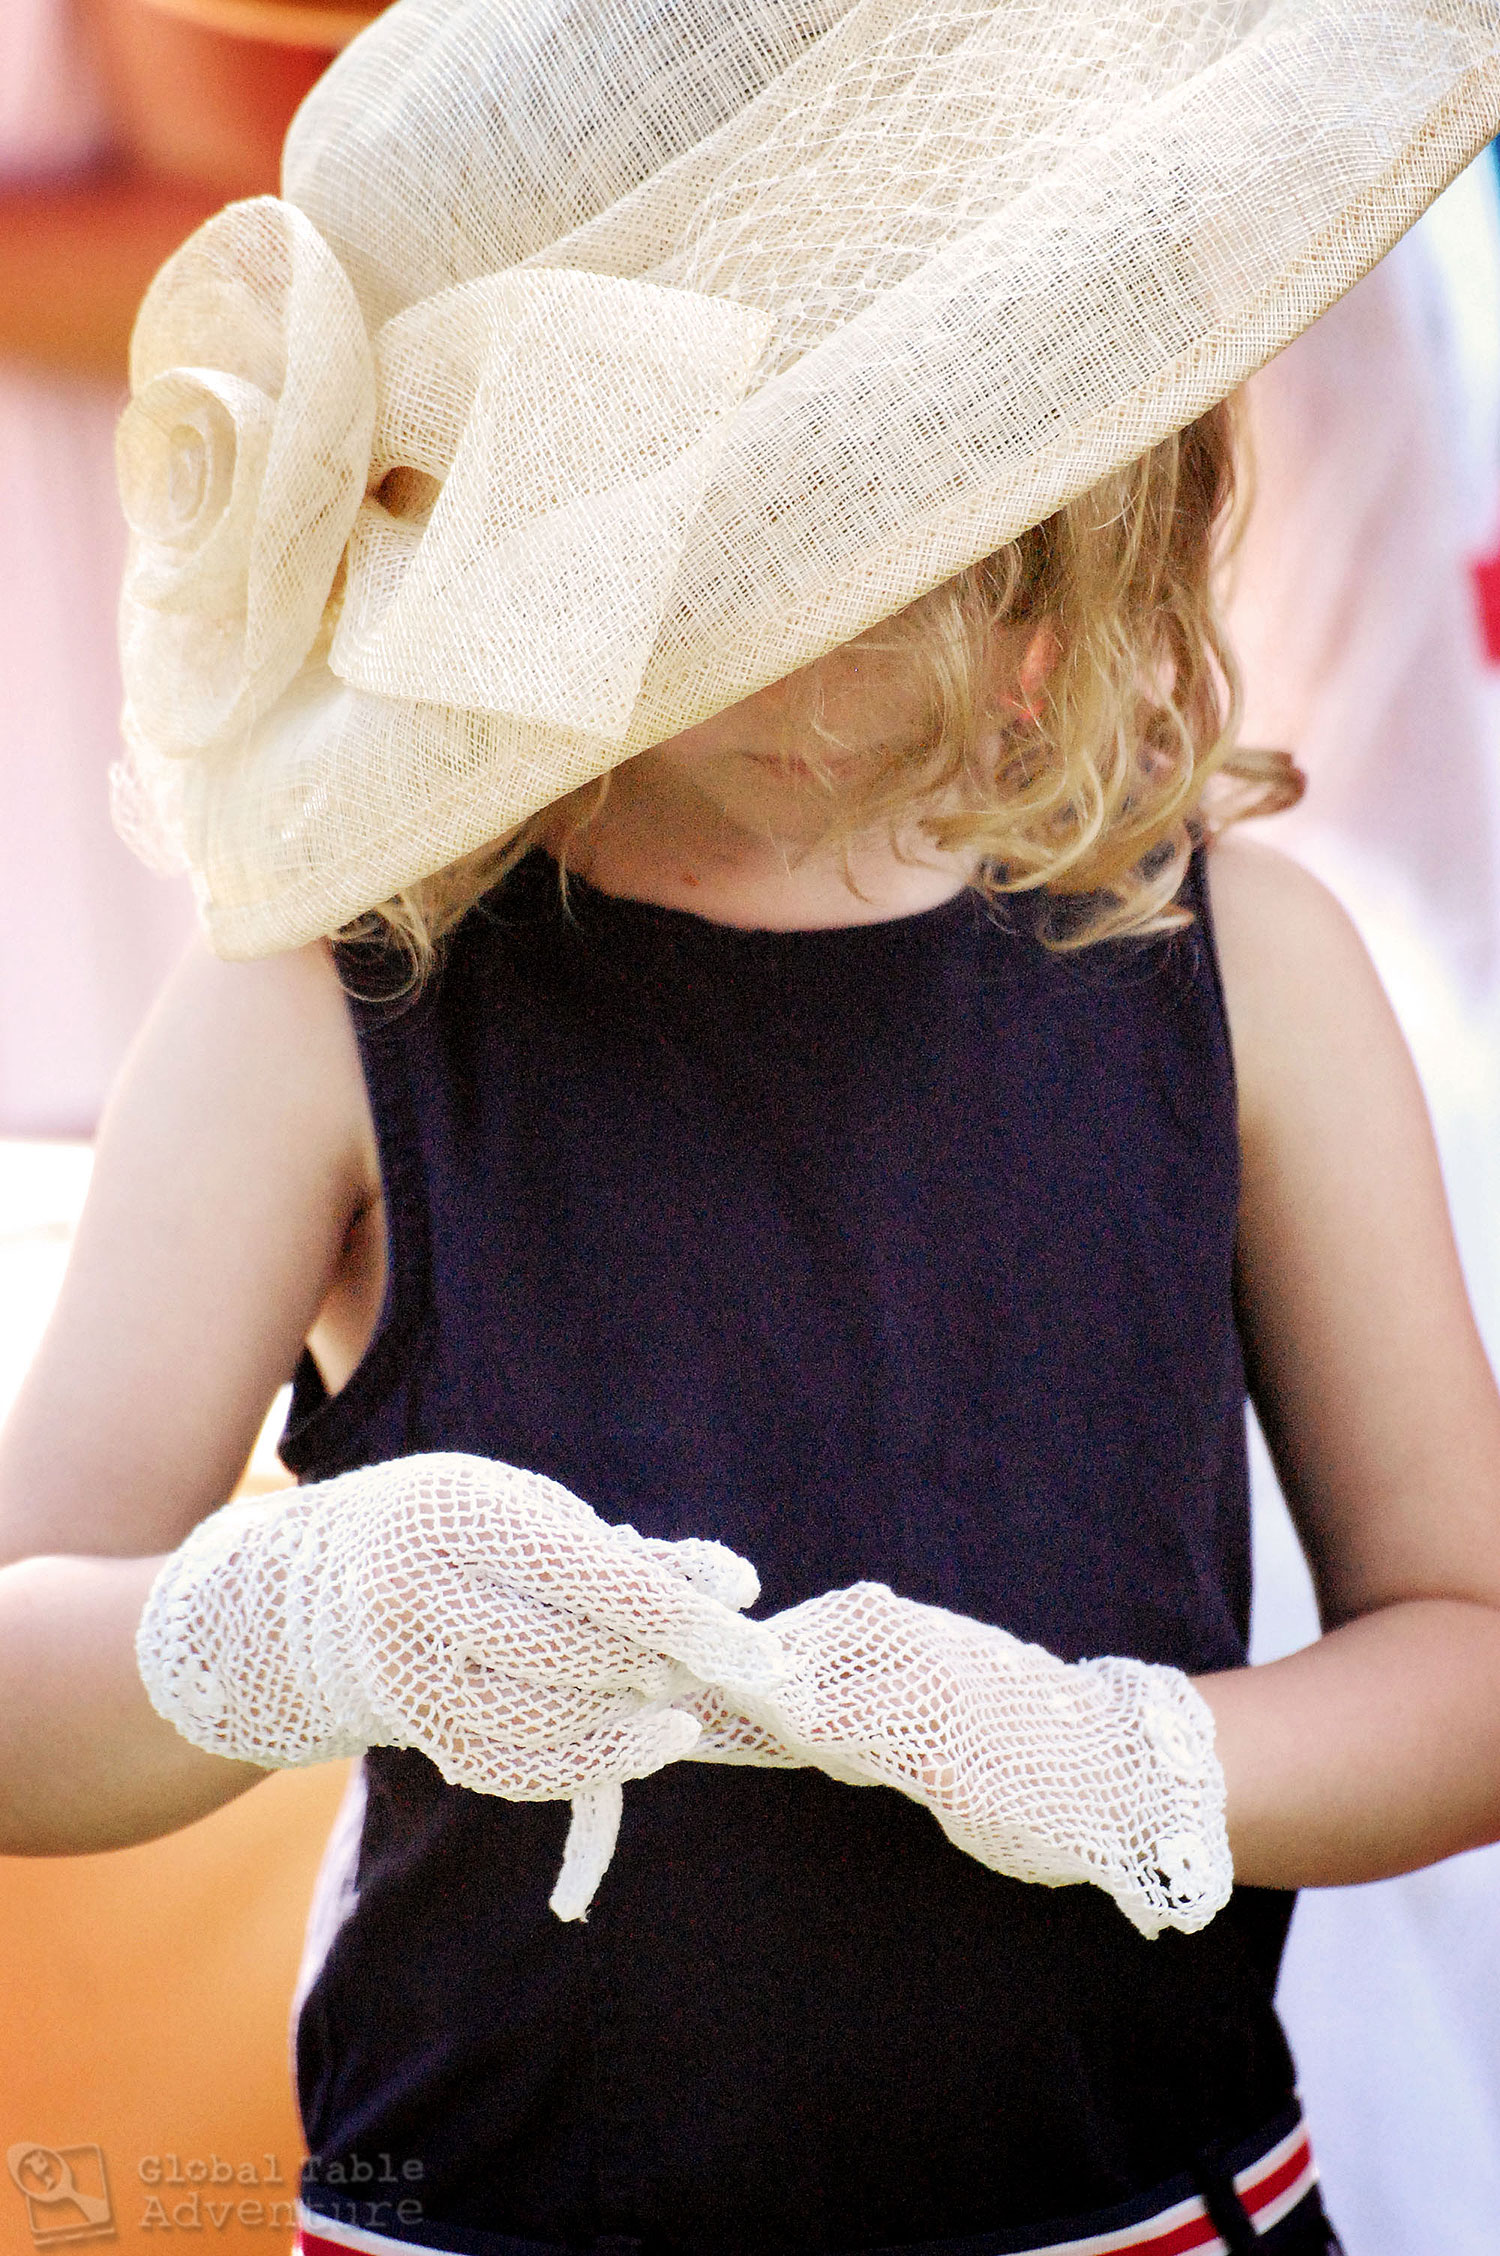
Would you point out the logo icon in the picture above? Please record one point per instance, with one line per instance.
(66, 2192)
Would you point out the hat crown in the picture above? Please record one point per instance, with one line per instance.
(459, 137)
(691, 141)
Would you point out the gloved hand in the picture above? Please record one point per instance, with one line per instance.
(1051, 1772)
(478, 1613)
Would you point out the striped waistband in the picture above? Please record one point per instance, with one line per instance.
(1279, 2175)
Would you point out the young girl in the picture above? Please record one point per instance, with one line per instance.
(856, 1155)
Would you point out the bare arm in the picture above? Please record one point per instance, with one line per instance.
(235, 1165)
(1378, 1748)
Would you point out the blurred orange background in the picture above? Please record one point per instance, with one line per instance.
(146, 1991)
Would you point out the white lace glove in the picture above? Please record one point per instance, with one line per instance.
(1048, 1771)
(480, 1614)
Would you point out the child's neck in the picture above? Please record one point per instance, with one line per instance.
(659, 840)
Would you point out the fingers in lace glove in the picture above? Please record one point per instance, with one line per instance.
(486, 1661)
(726, 1735)
(446, 1603)
(482, 1615)
(630, 1748)
(710, 1567)
(1101, 1771)
(474, 1534)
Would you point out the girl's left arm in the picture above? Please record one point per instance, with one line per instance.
(1377, 1748)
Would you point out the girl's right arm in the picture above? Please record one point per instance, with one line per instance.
(235, 1167)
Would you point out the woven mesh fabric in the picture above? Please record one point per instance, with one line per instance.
(1100, 1771)
(481, 1614)
(609, 359)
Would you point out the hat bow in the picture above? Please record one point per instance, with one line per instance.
(483, 509)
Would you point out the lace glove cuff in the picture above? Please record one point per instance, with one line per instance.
(222, 1646)
(1137, 1748)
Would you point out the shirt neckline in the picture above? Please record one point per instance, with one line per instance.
(590, 909)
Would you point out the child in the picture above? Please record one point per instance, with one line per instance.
(810, 1086)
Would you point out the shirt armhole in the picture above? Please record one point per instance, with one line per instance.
(324, 1432)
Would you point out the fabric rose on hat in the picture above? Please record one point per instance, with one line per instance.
(386, 595)
(243, 458)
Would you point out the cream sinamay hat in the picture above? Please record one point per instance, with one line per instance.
(608, 359)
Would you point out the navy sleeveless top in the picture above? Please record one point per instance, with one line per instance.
(902, 1252)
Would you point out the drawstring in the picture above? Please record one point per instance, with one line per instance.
(1227, 2214)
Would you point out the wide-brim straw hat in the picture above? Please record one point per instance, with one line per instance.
(605, 360)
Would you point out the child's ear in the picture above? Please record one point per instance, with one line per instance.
(1021, 662)
(1037, 662)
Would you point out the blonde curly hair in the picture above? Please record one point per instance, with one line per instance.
(1095, 787)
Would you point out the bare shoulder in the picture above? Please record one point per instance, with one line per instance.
(243, 1100)
(297, 991)
(1272, 916)
(262, 1044)
(1302, 995)
(235, 1158)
